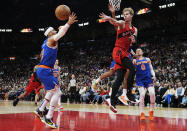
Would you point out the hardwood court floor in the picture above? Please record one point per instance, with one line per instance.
(87, 117)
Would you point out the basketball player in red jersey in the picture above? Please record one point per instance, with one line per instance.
(34, 83)
(125, 34)
(113, 67)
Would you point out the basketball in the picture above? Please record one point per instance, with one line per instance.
(62, 12)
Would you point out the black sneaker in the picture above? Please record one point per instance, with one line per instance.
(50, 123)
(39, 113)
(15, 102)
(35, 103)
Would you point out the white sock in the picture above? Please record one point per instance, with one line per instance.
(98, 80)
(110, 93)
(124, 93)
(152, 97)
(142, 92)
(53, 104)
(59, 101)
(46, 100)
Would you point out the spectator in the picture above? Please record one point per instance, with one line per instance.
(167, 96)
(179, 94)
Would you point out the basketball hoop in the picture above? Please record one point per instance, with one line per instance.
(116, 4)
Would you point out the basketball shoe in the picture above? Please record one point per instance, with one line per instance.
(151, 116)
(50, 122)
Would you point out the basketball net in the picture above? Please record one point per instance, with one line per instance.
(116, 4)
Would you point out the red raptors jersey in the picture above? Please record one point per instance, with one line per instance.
(123, 41)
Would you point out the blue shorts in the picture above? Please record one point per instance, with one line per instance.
(130, 56)
(47, 78)
(112, 64)
(144, 82)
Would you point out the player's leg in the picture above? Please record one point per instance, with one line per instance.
(151, 90)
(30, 87)
(115, 88)
(52, 96)
(36, 99)
(60, 107)
(123, 98)
(15, 102)
(142, 92)
(102, 77)
(127, 63)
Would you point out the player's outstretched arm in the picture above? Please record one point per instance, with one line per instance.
(64, 29)
(112, 10)
(111, 20)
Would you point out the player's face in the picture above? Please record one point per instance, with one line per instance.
(53, 32)
(127, 16)
(139, 52)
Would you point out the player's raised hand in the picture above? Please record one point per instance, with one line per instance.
(111, 8)
(72, 18)
(104, 17)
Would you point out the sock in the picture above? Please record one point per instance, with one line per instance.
(152, 97)
(46, 100)
(59, 101)
(53, 104)
(142, 92)
(125, 93)
(98, 80)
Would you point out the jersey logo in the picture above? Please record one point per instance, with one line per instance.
(126, 33)
(118, 53)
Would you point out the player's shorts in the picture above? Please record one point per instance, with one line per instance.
(116, 67)
(112, 64)
(32, 85)
(144, 82)
(130, 57)
(37, 91)
(118, 54)
(47, 78)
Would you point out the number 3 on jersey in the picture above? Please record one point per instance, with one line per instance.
(143, 67)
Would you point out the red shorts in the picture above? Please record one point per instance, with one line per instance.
(37, 91)
(118, 54)
(116, 67)
(32, 85)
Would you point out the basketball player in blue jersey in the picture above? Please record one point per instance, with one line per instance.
(45, 73)
(56, 74)
(145, 76)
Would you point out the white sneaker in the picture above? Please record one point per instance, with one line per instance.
(123, 100)
(107, 102)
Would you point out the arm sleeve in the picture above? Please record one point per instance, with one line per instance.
(152, 71)
(61, 32)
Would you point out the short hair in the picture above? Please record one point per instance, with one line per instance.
(131, 11)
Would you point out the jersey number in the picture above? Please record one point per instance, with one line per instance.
(143, 67)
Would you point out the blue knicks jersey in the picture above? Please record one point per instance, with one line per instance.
(48, 55)
(142, 69)
(55, 72)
